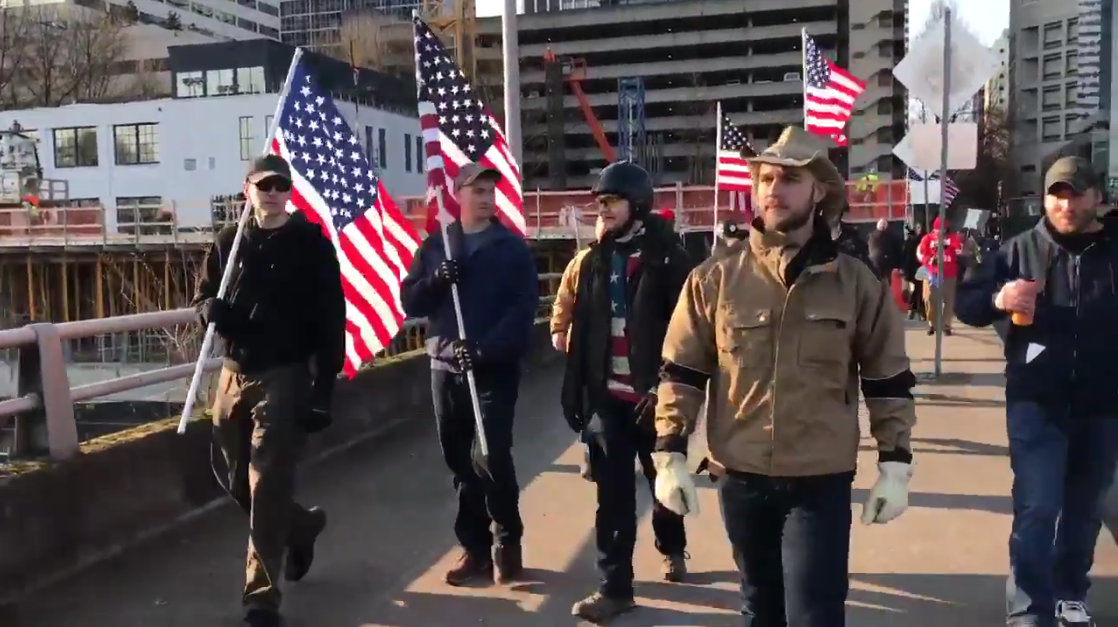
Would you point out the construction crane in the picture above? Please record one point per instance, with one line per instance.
(574, 72)
(630, 119)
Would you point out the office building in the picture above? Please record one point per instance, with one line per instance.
(225, 19)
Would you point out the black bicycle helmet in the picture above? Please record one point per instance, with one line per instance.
(627, 180)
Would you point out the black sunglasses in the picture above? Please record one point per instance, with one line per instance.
(273, 184)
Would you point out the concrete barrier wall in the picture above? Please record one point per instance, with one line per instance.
(56, 518)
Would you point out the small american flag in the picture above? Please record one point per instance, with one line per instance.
(829, 94)
(336, 187)
(950, 189)
(458, 129)
(732, 172)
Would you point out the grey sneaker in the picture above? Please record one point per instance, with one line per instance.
(597, 607)
(1073, 614)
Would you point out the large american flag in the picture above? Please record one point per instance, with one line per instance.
(950, 189)
(732, 171)
(336, 187)
(458, 129)
(829, 94)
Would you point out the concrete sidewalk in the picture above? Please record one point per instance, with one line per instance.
(391, 506)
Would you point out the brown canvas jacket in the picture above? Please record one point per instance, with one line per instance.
(786, 358)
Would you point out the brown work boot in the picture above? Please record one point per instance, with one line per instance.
(300, 554)
(674, 567)
(597, 607)
(509, 561)
(470, 567)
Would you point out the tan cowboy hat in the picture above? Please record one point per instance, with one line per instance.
(797, 148)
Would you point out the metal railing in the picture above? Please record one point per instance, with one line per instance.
(43, 407)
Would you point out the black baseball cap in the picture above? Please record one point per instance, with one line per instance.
(1075, 172)
(471, 172)
(268, 165)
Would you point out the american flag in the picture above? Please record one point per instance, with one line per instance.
(829, 94)
(732, 172)
(951, 190)
(458, 129)
(336, 187)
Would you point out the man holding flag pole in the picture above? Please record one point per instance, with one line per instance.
(475, 280)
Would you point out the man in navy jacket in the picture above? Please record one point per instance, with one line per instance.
(498, 284)
(1061, 389)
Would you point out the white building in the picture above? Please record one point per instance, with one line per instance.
(997, 88)
(233, 19)
(180, 154)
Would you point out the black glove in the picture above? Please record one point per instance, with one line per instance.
(576, 422)
(226, 318)
(466, 353)
(646, 409)
(447, 272)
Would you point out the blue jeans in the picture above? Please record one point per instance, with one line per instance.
(791, 543)
(1063, 464)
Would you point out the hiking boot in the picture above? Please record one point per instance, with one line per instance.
(931, 330)
(300, 554)
(509, 563)
(470, 567)
(263, 618)
(597, 607)
(675, 567)
(912, 315)
(1073, 614)
(947, 331)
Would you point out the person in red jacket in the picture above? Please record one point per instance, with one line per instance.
(926, 254)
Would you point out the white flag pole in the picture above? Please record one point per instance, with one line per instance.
(717, 150)
(246, 213)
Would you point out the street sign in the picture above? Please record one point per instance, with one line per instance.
(921, 70)
(920, 148)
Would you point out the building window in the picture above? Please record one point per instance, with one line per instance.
(1052, 98)
(885, 107)
(75, 147)
(190, 84)
(268, 125)
(220, 83)
(382, 149)
(1053, 66)
(250, 80)
(1071, 95)
(1052, 130)
(407, 152)
(420, 154)
(136, 144)
(143, 215)
(264, 7)
(246, 136)
(1073, 30)
(1053, 35)
(1072, 62)
(885, 79)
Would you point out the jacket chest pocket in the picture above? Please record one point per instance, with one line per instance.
(745, 338)
(825, 340)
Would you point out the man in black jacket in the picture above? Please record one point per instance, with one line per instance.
(849, 240)
(499, 289)
(910, 266)
(282, 322)
(884, 252)
(1058, 282)
(628, 287)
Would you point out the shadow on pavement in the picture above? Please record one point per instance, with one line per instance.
(949, 446)
(989, 379)
(946, 400)
(978, 502)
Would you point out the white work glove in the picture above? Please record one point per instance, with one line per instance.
(889, 496)
(675, 489)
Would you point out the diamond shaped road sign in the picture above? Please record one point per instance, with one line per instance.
(921, 70)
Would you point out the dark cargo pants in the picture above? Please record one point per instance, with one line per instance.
(615, 521)
(482, 503)
(791, 543)
(256, 426)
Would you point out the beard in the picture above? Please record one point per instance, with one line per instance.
(787, 221)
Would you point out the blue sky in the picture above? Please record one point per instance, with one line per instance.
(986, 19)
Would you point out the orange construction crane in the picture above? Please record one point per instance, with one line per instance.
(574, 71)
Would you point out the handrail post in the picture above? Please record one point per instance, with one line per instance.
(41, 369)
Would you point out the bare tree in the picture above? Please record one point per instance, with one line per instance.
(51, 57)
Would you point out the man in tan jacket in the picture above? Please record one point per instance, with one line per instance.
(786, 328)
(562, 309)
